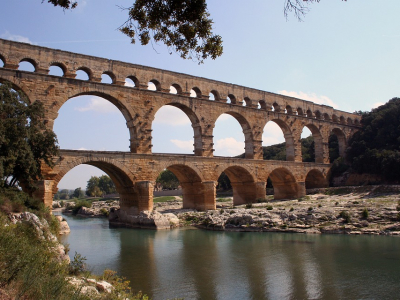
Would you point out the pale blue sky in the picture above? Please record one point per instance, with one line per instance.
(344, 54)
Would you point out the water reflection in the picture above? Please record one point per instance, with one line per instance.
(197, 264)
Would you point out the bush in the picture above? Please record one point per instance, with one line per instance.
(269, 207)
(291, 209)
(104, 212)
(365, 213)
(77, 265)
(346, 216)
(310, 208)
(249, 205)
(79, 204)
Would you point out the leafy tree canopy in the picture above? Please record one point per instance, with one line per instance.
(375, 148)
(25, 142)
(168, 180)
(97, 186)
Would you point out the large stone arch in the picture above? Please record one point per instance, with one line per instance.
(289, 140)
(194, 120)
(130, 120)
(196, 193)
(315, 179)
(284, 183)
(341, 140)
(318, 143)
(243, 185)
(247, 131)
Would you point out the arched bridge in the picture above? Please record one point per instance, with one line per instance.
(203, 101)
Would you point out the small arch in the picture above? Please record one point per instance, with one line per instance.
(262, 105)
(342, 120)
(177, 88)
(131, 81)
(300, 111)
(247, 102)
(349, 121)
(335, 118)
(214, 95)
(211, 97)
(326, 117)
(154, 85)
(195, 92)
(309, 113)
(284, 184)
(289, 110)
(356, 122)
(56, 70)
(276, 107)
(108, 77)
(84, 73)
(231, 99)
(2, 61)
(318, 115)
(27, 64)
(16, 88)
(315, 179)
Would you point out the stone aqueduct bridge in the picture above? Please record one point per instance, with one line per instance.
(134, 172)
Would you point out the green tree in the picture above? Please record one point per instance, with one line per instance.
(92, 183)
(25, 142)
(78, 193)
(106, 185)
(168, 180)
(375, 148)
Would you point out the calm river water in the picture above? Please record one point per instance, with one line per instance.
(197, 264)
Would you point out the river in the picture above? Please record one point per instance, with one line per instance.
(198, 264)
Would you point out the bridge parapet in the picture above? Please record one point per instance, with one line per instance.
(42, 58)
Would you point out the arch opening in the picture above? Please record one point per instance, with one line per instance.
(311, 144)
(337, 144)
(175, 89)
(27, 64)
(154, 85)
(242, 183)
(284, 184)
(93, 121)
(315, 179)
(278, 142)
(228, 136)
(231, 99)
(172, 133)
(131, 81)
(83, 74)
(56, 70)
(2, 61)
(106, 78)
(195, 92)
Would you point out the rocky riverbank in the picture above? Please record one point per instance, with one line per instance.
(347, 210)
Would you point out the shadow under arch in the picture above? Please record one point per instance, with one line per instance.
(289, 140)
(248, 135)
(341, 140)
(133, 130)
(243, 185)
(194, 120)
(284, 183)
(315, 179)
(195, 193)
(317, 136)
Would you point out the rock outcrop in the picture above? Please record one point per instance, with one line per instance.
(146, 219)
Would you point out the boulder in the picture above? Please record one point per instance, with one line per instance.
(104, 286)
(145, 219)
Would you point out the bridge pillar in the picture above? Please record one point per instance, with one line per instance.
(44, 192)
(137, 198)
(247, 192)
(289, 190)
(199, 195)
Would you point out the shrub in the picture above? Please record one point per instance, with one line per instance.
(310, 208)
(262, 200)
(104, 212)
(249, 205)
(345, 215)
(337, 203)
(269, 207)
(291, 209)
(77, 265)
(79, 204)
(365, 213)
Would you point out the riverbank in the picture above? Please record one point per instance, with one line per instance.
(347, 210)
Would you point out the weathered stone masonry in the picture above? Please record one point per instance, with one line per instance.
(134, 173)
